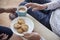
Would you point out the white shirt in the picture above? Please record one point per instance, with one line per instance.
(55, 16)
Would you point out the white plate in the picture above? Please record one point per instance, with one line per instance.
(28, 21)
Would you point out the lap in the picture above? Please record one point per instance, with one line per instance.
(41, 17)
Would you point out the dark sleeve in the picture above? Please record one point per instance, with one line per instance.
(27, 0)
(23, 3)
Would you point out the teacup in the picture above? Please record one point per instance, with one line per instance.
(21, 11)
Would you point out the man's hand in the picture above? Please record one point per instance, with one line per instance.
(3, 36)
(36, 6)
(32, 36)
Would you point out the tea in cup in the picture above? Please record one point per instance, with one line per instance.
(21, 11)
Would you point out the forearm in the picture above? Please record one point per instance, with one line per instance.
(8, 10)
(52, 5)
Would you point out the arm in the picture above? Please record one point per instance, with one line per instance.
(53, 5)
(8, 10)
(49, 6)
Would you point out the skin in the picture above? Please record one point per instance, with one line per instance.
(32, 36)
(3, 36)
(36, 6)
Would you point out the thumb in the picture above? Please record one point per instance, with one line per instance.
(27, 35)
(34, 9)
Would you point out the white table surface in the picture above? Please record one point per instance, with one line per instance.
(43, 31)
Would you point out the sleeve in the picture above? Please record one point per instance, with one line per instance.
(25, 2)
(53, 5)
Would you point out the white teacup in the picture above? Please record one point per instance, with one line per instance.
(21, 11)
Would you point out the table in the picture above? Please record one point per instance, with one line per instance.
(43, 31)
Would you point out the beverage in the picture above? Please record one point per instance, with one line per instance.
(21, 11)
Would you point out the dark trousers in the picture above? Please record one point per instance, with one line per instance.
(6, 30)
(43, 16)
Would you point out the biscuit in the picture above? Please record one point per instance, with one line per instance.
(17, 26)
(21, 21)
(24, 27)
(19, 30)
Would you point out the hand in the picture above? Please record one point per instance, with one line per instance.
(32, 36)
(3, 36)
(2, 10)
(36, 6)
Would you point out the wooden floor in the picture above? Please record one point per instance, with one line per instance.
(4, 18)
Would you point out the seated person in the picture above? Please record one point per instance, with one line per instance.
(42, 11)
(53, 19)
(42, 16)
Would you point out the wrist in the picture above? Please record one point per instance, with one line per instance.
(45, 6)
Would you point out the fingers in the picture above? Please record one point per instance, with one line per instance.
(27, 35)
(28, 5)
(34, 9)
(5, 37)
(1, 34)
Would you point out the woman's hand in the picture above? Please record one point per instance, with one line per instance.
(36, 6)
(3, 36)
(32, 36)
